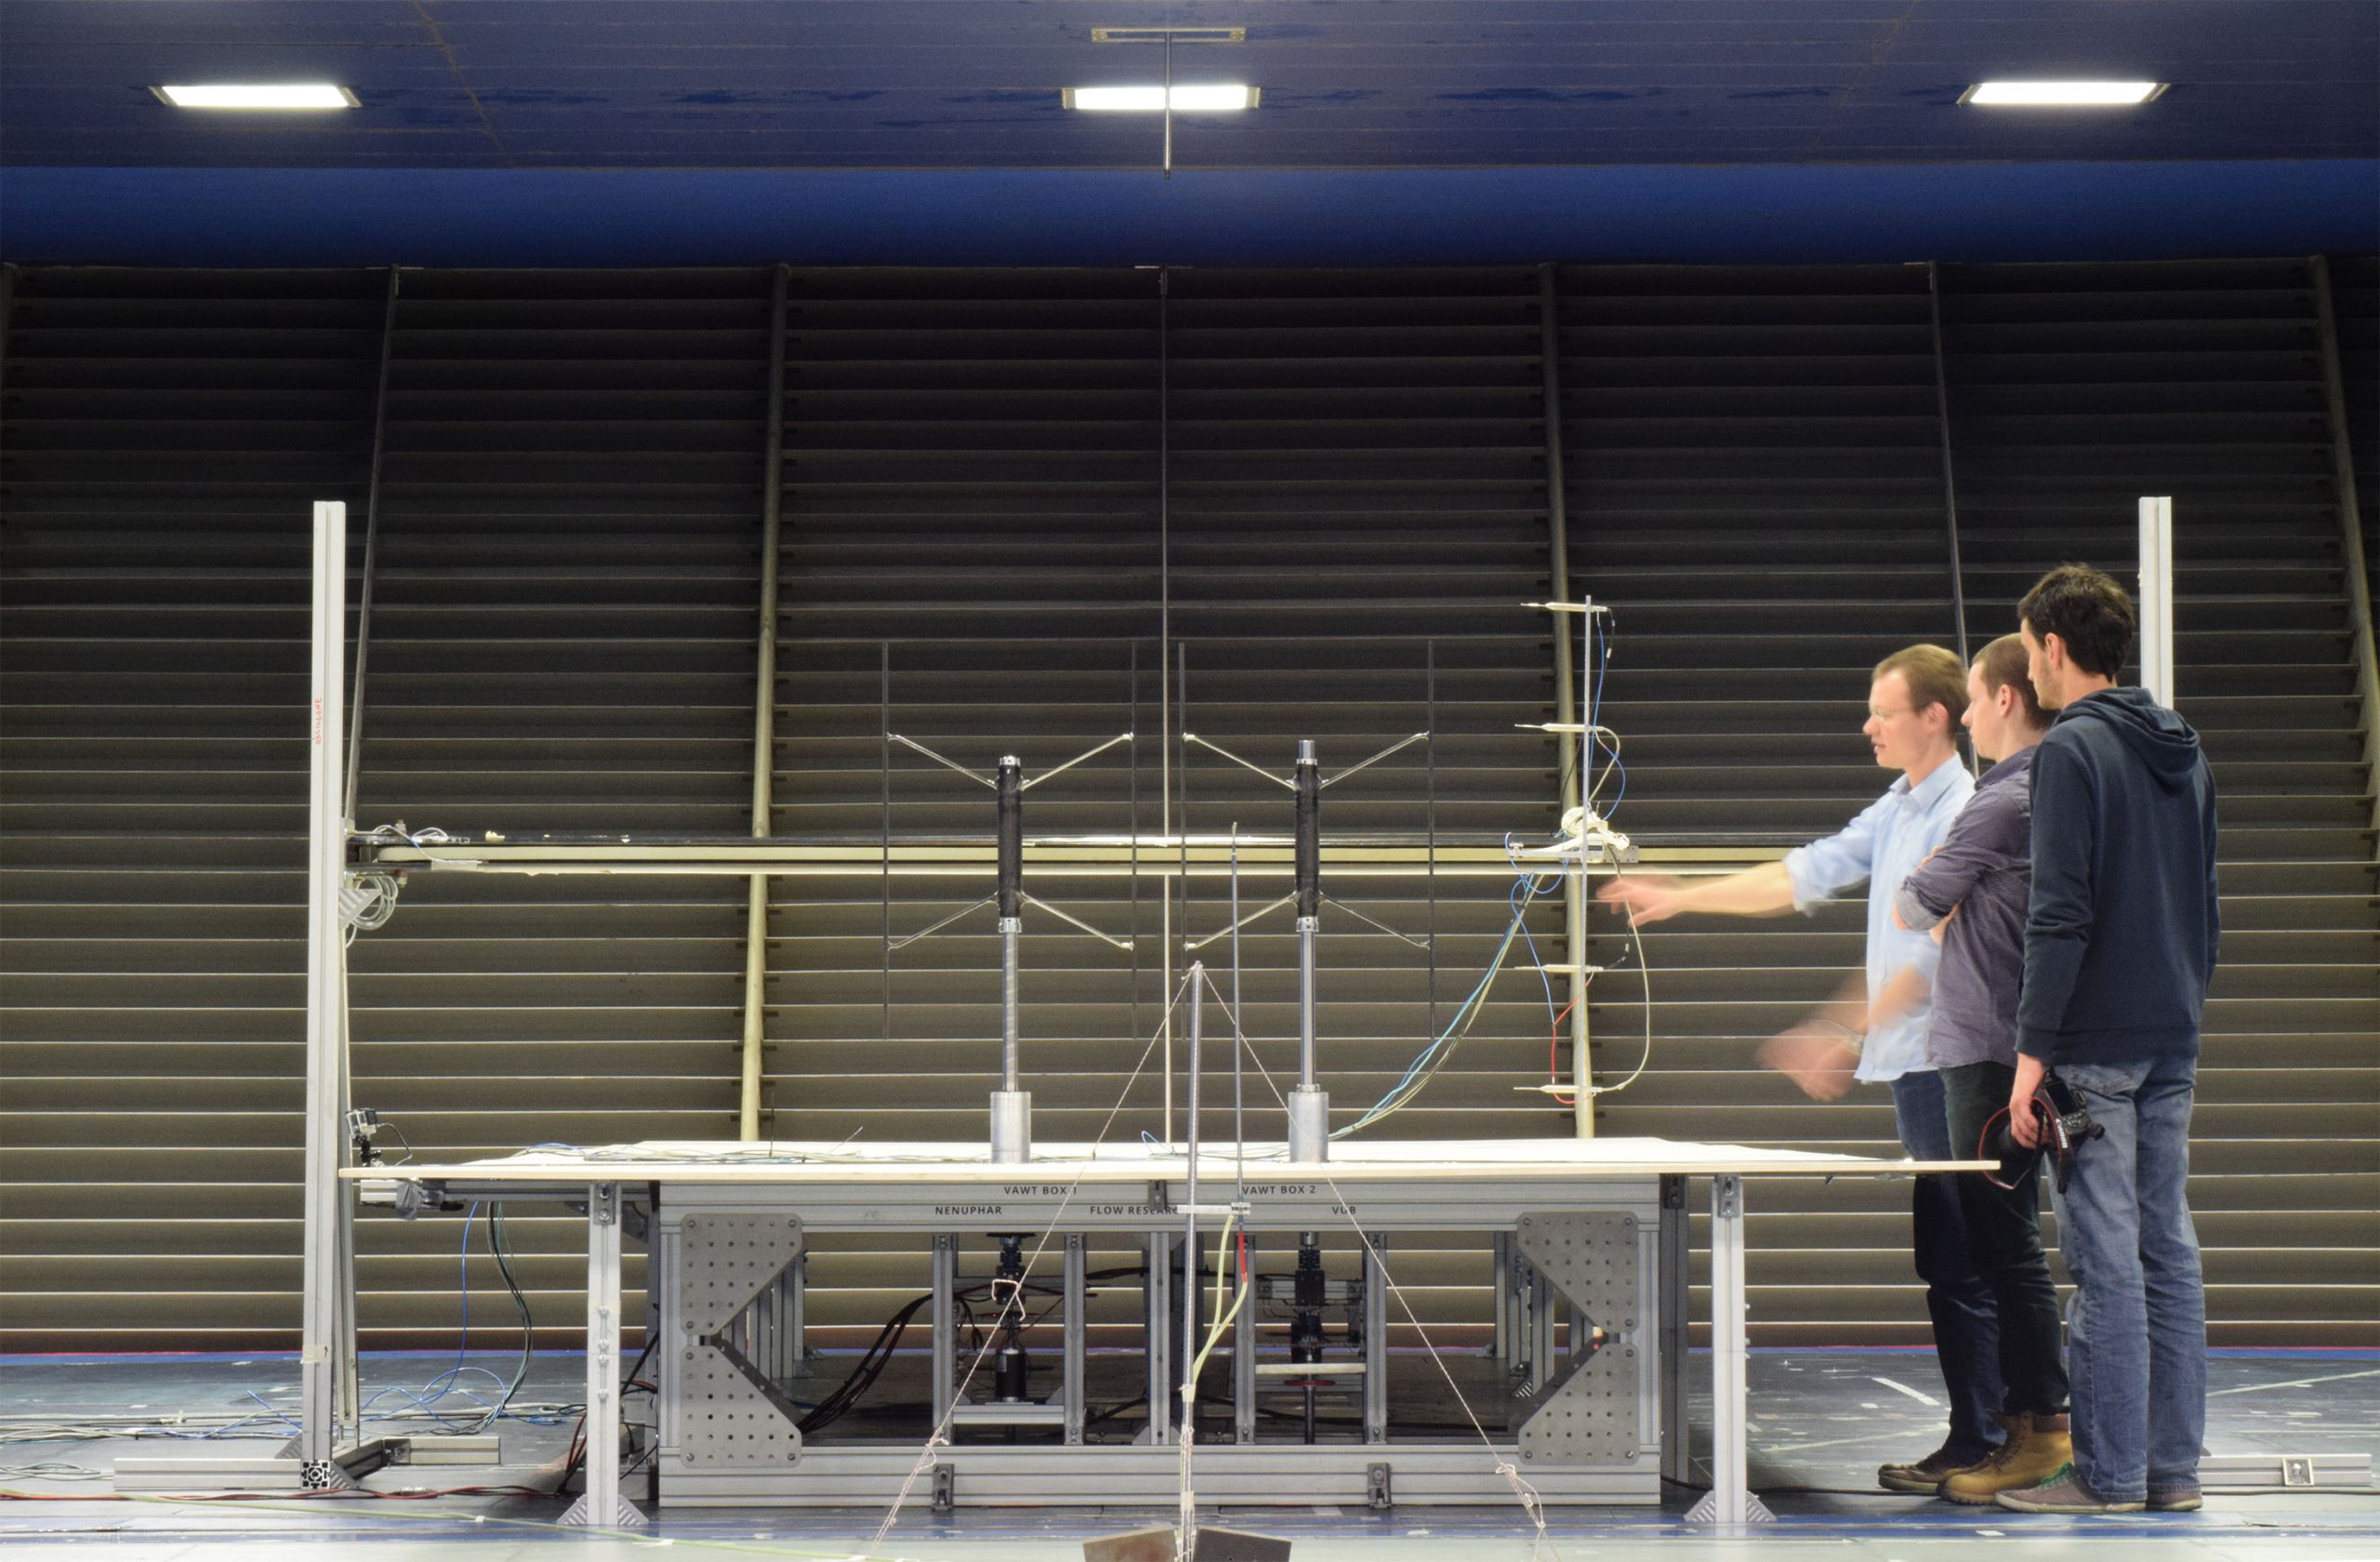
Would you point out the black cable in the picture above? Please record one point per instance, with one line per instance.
(578, 1449)
(528, 1326)
(1112, 1411)
(864, 1373)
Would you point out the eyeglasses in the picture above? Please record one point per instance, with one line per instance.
(1888, 715)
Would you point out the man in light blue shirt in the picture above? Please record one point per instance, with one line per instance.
(1875, 1029)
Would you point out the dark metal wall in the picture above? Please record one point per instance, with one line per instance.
(978, 552)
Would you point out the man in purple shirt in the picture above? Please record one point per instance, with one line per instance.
(1973, 893)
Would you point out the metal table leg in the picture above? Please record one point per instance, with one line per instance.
(946, 1325)
(1243, 1358)
(1159, 1297)
(602, 1507)
(1075, 1308)
(1674, 1282)
(1730, 1500)
(1375, 1340)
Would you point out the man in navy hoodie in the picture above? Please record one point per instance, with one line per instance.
(2119, 940)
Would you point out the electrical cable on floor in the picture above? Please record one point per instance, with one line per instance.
(528, 1324)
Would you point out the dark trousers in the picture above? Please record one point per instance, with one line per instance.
(2004, 1232)
(1966, 1339)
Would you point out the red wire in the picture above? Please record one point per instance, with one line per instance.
(1553, 1055)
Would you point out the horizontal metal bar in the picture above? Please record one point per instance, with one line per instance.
(1086, 855)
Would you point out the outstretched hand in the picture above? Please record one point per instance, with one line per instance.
(1645, 898)
(1819, 1060)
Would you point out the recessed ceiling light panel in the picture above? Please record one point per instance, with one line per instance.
(1207, 98)
(1168, 34)
(264, 95)
(2061, 94)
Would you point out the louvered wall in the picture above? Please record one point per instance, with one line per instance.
(166, 434)
(562, 640)
(1756, 489)
(2355, 303)
(1355, 510)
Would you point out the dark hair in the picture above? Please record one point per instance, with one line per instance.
(2087, 610)
(1933, 676)
(2003, 665)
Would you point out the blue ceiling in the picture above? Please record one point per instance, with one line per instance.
(686, 131)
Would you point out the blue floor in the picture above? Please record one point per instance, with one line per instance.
(1822, 1421)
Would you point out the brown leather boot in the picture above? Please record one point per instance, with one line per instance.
(2038, 1447)
(1928, 1473)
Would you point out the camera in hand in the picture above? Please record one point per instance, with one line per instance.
(2063, 1124)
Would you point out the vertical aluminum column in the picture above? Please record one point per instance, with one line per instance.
(1156, 1324)
(1011, 1135)
(2157, 598)
(1243, 1353)
(764, 719)
(1375, 1338)
(1730, 1500)
(326, 1208)
(1074, 1307)
(1674, 1281)
(1190, 1211)
(1567, 746)
(946, 1327)
(1309, 1105)
(602, 1507)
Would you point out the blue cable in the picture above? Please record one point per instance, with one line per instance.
(1527, 890)
(1520, 914)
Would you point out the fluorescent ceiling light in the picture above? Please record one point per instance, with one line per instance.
(1151, 99)
(2060, 93)
(270, 94)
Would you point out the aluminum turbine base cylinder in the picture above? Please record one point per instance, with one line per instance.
(1011, 1126)
(1309, 1124)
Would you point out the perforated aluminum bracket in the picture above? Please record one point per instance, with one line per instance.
(730, 1413)
(1588, 1413)
(727, 1258)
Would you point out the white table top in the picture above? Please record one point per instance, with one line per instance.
(781, 1161)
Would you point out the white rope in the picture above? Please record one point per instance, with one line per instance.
(940, 1437)
(1527, 1495)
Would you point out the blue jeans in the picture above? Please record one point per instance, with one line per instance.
(1966, 1324)
(2136, 1342)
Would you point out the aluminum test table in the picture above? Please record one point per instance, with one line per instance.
(1604, 1220)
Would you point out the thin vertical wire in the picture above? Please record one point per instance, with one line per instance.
(1163, 653)
(1430, 811)
(885, 773)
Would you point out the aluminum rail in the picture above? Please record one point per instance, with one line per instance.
(1086, 856)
